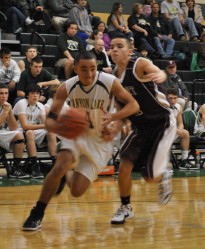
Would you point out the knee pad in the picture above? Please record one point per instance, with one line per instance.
(19, 141)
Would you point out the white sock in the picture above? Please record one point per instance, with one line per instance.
(185, 154)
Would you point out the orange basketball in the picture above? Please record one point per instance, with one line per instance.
(73, 123)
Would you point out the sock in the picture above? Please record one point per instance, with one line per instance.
(185, 154)
(125, 200)
(17, 161)
(40, 207)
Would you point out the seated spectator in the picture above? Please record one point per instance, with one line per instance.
(9, 73)
(10, 138)
(147, 7)
(173, 13)
(79, 14)
(102, 64)
(37, 12)
(162, 32)
(141, 28)
(143, 52)
(16, 18)
(116, 23)
(36, 75)
(31, 119)
(174, 81)
(25, 63)
(59, 11)
(182, 134)
(194, 11)
(93, 19)
(102, 27)
(69, 45)
(94, 37)
(199, 128)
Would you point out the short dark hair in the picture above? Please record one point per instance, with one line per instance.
(2, 85)
(71, 23)
(85, 55)
(32, 88)
(4, 51)
(36, 59)
(173, 91)
(122, 36)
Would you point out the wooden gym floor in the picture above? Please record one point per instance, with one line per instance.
(72, 223)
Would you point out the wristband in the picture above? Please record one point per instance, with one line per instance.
(52, 115)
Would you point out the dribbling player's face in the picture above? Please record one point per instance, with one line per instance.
(86, 71)
(120, 51)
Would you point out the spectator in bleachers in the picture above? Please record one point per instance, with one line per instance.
(38, 12)
(38, 75)
(10, 137)
(174, 81)
(147, 7)
(143, 34)
(143, 52)
(102, 27)
(102, 64)
(194, 11)
(31, 52)
(9, 73)
(173, 13)
(94, 37)
(31, 119)
(116, 22)
(59, 11)
(14, 11)
(79, 14)
(199, 128)
(162, 32)
(94, 20)
(181, 134)
(69, 46)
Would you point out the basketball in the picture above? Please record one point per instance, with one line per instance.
(73, 123)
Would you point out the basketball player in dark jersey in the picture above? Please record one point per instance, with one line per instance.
(154, 128)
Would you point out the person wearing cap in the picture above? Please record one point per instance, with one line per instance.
(174, 81)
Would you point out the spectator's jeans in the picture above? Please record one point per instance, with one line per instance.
(149, 48)
(188, 22)
(15, 17)
(165, 46)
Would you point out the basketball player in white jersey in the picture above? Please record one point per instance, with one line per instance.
(31, 120)
(89, 153)
(181, 133)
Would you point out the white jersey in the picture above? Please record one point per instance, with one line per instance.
(199, 128)
(33, 113)
(176, 109)
(94, 98)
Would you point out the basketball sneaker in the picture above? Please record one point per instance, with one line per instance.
(186, 165)
(17, 172)
(33, 222)
(123, 213)
(61, 185)
(35, 172)
(165, 188)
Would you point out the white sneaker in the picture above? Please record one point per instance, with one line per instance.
(28, 21)
(123, 213)
(165, 188)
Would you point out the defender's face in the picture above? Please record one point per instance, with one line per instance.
(86, 71)
(120, 50)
